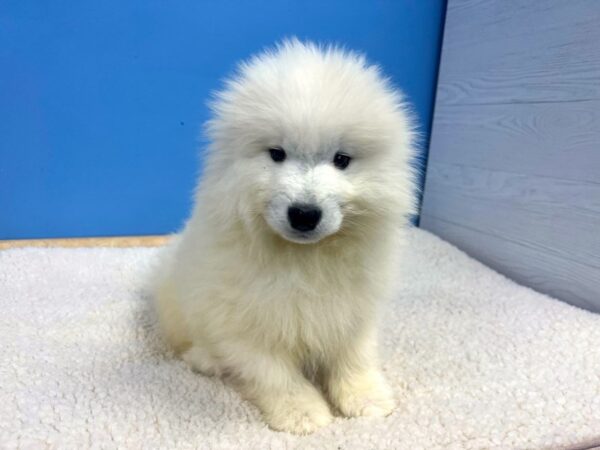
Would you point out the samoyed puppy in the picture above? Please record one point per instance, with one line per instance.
(275, 281)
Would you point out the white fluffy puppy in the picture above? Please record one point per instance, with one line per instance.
(276, 278)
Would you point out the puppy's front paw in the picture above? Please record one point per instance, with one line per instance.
(200, 360)
(298, 416)
(369, 398)
(367, 405)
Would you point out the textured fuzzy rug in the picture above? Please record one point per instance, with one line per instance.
(476, 361)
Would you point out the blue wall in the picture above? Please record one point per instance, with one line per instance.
(101, 102)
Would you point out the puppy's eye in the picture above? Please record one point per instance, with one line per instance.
(341, 160)
(277, 154)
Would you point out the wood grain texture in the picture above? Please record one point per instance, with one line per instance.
(514, 166)
(512, 51)
(577, 283)
(554, 216)
(551, 140)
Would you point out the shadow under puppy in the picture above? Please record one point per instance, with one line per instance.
(294, 237)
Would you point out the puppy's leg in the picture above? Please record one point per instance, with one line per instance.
(201, 360)
(274, 383)
(170, 317)
(354, 382)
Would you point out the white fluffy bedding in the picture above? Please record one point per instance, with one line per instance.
(476, 361)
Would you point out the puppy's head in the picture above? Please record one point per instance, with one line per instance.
(308, 142)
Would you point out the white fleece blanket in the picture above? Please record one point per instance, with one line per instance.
(475, 360)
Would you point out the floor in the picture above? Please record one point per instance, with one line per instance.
(121, 241)
(475, 360)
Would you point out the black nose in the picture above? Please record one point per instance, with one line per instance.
(304, 217)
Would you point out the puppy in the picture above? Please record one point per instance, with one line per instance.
(292, 244)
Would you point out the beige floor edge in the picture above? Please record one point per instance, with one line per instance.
(120, 241)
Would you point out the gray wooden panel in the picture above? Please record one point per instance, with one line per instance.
(544, 139)
(508, 51)
(542, 211)
(546, 273)
(514, 166)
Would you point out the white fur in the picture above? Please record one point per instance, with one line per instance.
(238, 293)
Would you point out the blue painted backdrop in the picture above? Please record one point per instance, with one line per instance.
(101, 102)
